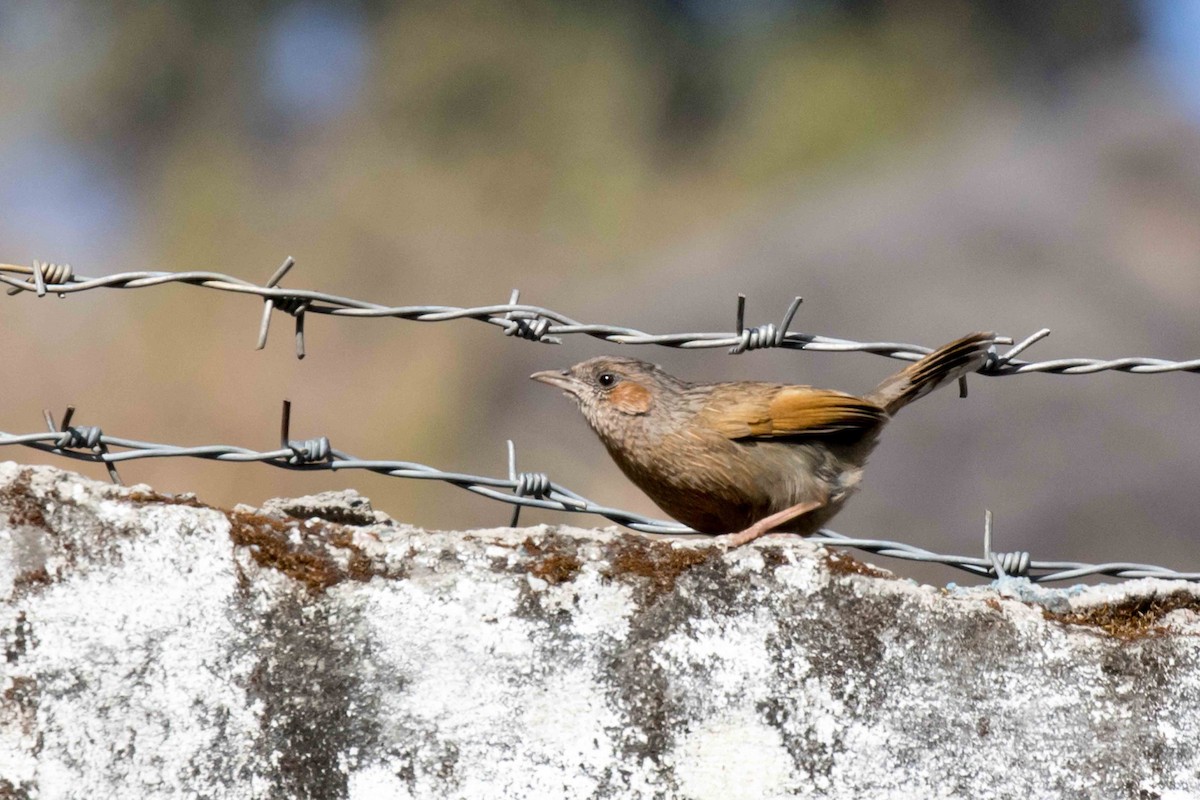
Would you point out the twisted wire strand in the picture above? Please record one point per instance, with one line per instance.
(539, 324)
(536, 323)
(536, 490)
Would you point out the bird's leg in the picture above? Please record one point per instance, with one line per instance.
(769, 523)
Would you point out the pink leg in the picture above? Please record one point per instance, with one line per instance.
(768, 524)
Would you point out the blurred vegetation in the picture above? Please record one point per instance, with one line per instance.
(471, 147)
(585, 118)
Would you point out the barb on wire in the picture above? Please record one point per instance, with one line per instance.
(763, 335)
(290, 305)
(309, 451)
(546, 325)
(43, 273)
(73, 438)
(533, 490)
(1015, 564)
(528, 484)
(527, 326)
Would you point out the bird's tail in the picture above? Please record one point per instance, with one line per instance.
(944, 365)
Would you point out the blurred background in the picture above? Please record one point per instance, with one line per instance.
(915, 170)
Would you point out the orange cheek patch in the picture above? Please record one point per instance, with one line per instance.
(630, 398)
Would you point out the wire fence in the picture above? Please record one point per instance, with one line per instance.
(539, 324)
(534, 490)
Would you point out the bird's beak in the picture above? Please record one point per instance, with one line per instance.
(561, 379)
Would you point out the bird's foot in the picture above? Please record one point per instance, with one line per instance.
(768, 524)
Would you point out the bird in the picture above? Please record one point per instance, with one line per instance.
(746, 458)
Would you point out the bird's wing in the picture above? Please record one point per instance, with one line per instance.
(765, 411)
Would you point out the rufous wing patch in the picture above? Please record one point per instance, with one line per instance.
(630, 397)
(792, 411)
(820, 411)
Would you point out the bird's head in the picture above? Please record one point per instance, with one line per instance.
(612, 391)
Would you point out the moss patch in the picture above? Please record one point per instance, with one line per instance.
(554, 566)
(31, 578)
(332, 513)
(660, 561)
(13, 791)
(300, 550)
(142, 497)
(23, 505)
(840, 563)
(359, 567)
(1131, 618)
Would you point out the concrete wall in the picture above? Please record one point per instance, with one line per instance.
(155, 647)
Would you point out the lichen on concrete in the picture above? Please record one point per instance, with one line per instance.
(155, 647)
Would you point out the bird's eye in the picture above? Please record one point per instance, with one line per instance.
(606, 379)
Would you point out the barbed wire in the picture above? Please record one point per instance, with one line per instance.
(539, 324)
(533, 490)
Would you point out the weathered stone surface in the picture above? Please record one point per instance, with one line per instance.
(154, 647)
